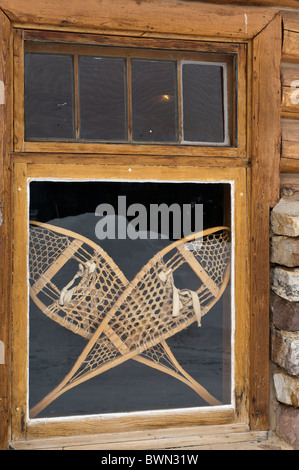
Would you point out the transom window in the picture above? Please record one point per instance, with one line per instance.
(128, 96)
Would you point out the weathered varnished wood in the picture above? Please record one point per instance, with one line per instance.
(119, 159)
(290, 90)
(290, 51)
(132, 436)
(289, 165)
(146, 18)
(223, 437)
(65, 37)
(18, 87)
(264, 193)
(5, 227)
(290, 98)
(263, 3)
(130, 149)
(290, 138)
(20, 303)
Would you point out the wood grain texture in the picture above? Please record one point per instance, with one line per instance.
(290, 50)
(5, 233)
(257, 440)
(77, 40)
(119, 159)
(20, 353)
(289, 165)
(177, 438)
(18, 88)
(131, 149)
(134, 172)
(132, 436)
(290, 138)
(290, 90)
(261, 3)
(266, 102)
(142, 17)
(264, 194)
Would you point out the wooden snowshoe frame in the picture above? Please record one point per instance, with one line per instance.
(124, 319)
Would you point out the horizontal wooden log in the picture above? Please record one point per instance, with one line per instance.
(263, 3)
(290, 89)
(289, 165)
(168, 17)
(290, 50)
(290, 138)
(289, 162)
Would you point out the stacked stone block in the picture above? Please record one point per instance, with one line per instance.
(285, 316)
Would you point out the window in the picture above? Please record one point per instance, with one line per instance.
(102, 98)
(129, 96)
(49, 106)
(122, 254)
(142, 309)
(204, 102)
(126, 301)
(77, 160)
(91, 97)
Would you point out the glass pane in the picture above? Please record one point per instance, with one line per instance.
(154, 101)
(102, 82)
(203, 114)
(49, 102)
(100, 343)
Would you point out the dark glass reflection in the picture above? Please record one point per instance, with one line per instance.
(102, 82)
(49, 96)
(204, 352)
(104, 103)
(203, 116)
(154, 101)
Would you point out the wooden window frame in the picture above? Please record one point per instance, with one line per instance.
(177, 50)
(257, 30)
(234, 413)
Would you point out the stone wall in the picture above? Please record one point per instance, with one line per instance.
(285, 316)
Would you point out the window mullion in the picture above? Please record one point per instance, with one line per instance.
(129, 99)
(77, 96)
(180, 100)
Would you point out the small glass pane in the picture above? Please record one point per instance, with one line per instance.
(203, 107)
(102, 82)
(154, 101)
(49, 101)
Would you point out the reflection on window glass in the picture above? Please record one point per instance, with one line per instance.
(154, 101)
(49, 96)
(124, 314)
(203, 108)
(126, 99)
(102, 83)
